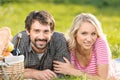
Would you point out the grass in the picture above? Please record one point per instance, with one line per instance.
(73, 78)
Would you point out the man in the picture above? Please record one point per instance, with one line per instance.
(41, 46)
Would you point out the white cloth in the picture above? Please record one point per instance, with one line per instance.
(116, 67)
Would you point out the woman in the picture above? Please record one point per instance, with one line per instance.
(90, 53)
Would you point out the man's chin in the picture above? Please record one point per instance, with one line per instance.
(41, 47)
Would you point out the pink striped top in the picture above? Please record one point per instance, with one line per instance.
(100, 55)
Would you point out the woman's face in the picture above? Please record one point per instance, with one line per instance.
(86, 35)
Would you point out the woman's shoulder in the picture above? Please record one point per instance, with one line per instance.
(101, 44)
(101, 41)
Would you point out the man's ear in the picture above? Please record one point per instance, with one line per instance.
(27, 32)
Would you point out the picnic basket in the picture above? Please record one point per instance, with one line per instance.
(11, 67)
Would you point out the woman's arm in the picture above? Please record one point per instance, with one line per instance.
(65, 68)
(68, 69)
(103, 70)
(103, 57)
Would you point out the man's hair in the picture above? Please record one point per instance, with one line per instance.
(42, 16)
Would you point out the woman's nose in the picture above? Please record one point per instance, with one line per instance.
(89, 38)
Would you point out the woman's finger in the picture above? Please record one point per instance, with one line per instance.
(66, 60)
(57, 62)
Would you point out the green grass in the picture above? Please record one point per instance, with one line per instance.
(67, 77)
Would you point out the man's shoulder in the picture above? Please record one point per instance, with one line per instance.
(24, 37)
(57, 35)
(23, 33)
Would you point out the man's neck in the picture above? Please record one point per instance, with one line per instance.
(36, 50)
(39, 50)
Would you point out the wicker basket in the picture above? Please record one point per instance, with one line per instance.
(13, 71)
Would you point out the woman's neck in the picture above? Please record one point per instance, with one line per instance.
(83, 52)
(83, 56)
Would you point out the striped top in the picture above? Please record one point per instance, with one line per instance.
(100, 55)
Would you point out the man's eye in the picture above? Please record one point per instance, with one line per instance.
(36, 31)
(46, 31)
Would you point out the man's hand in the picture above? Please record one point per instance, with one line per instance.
(39, 75)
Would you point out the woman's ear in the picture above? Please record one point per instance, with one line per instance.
(27, 32)
(52, 33)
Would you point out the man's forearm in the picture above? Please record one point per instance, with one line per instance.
(39, 75)
(28, 73)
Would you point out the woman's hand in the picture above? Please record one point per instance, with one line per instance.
(63, 68)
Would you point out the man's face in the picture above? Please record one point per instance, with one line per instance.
(40, 35)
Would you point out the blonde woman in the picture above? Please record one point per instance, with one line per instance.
(90, 53)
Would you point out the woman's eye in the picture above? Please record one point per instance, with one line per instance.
(83, 33)
(93, 33)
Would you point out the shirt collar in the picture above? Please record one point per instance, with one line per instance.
(31, 50)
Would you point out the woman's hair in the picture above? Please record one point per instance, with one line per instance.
(42, 16)
(79, 19)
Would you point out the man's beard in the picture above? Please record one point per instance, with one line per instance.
(42, 46)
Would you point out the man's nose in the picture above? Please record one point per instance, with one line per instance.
(41, 35)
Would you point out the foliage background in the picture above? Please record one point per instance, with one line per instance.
(14, 12)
